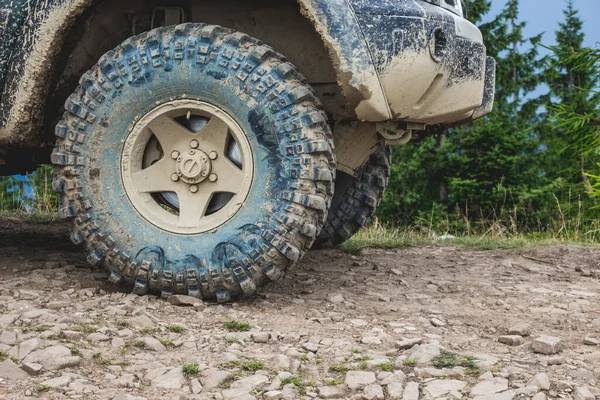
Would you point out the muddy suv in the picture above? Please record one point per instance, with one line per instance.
(193, 158)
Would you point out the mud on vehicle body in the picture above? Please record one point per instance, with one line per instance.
(139, 91)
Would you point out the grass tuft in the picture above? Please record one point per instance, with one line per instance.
(176, 328)
(236, 326)
(191, 369)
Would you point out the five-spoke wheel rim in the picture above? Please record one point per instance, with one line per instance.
(187, 166)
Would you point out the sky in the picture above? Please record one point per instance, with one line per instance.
(544, 16)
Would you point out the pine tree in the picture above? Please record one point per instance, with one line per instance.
(569, 87)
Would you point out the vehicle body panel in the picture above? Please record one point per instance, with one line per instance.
(381, 51)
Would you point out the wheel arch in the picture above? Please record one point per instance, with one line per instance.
(40, 67)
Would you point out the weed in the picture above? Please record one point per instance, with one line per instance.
(448, 359)
(148, 331)
(43, 328)
(176, 328)
(3, 356)
(123, 324)
(333, 382)
(235, 326)
(388, 366)
(340, 368)
(191, 369)
(165, 342)
(355, 351)
(252, 366)
(139, 344)
(75, 351)
(99, 359)
(410, 362)
(43, 388)
(294, 380)
(87, 329)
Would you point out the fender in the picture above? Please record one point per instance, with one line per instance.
(45, 27)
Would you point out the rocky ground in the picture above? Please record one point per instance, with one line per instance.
(418, 323)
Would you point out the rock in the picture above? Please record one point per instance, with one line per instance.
(373, 392)
(511, 340)
(127, 396)
(61, 363)
(58, 382)
(370, 340)
(424, 353)
(97, 337)
(331, 392)
(397, 376)
(359, 379)
(521, 329)
(9, 370)
(141, 321)
(438, 388)
(489, 387)
(541, 380)
(411, 391)
(274, 395)
(508, 395)
(33, 369)
(548, 345)
(27, 347)
(313, 348)
(196, 386)
(336, 298)
(583, 393)
(539, 396)
(8, 337)
(394, 390)
(173, 379)
(261, 337)
(408, 343)
(212, 378)
(53, 358)
(438, 323)
(591, 341)
(240, 389)
(280, 362)
(152, 344)
(183, 301)
(71, 335)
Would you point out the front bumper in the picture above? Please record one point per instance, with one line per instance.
(432, 64)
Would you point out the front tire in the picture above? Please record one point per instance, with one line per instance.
(128, 179)
(356, 199)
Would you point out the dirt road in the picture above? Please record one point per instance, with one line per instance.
(338, 326)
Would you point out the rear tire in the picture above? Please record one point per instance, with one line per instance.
(356, 199)
(229, 77)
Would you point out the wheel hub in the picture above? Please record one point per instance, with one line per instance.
(187, 166)
(193, 167)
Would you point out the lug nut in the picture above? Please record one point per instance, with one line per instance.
(179, 173)
(204, 173)
(192, 152)
(192, 180)
(194, 189)
(213, 155)
(213, 177)
(203, 159)
(174, 177)
(175, 155)
(194, 144)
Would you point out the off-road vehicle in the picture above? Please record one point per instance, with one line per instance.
(205, 145)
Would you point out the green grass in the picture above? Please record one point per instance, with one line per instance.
(191, 369)
(75, 351)
(86, 328)
(333, 382)
(43, 389)
(176, 328)
(236, 326)
(232, 340)
(100, 360)
(252, 366)
(448, 359)
(379, 236)
(339, 368)
(388, 367)
(148, 331)
(410, 362)
(3, 356)
(165, 342)
(294, 380)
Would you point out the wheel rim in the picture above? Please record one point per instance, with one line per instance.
(187, 167)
